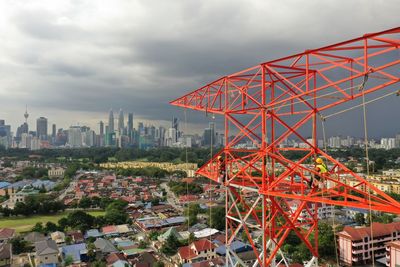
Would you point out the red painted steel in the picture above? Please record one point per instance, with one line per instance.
(284, 98)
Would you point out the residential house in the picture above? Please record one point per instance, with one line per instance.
(104, 247)
(170, 232)
(197, 251)
(145, 259)
(218, 262)
(34, 237)
(113, 257)
(93, 233)
(236, 246)
(110, 230)
(46, 252)
(78, 252)
(6, 234)
(124, 229)
(5, 255)
(76, 237)
(58, 237)
(121, 263)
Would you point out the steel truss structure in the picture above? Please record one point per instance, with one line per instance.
(285, 98)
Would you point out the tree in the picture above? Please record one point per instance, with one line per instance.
(191, 238)
(68, 240)
(19, 245)
(115, 216)
(143, 244)
(153, 235)
(69, 260)
(170, 247)
(85, 203)
(218, 218)
(80, 219)
(38, 227)
(63, 223)
(51, 227)
(91, 251)
(326, 241)
(359, 219)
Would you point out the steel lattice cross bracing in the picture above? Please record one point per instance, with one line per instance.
(281, 99)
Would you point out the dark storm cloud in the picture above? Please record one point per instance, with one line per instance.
(138, 55)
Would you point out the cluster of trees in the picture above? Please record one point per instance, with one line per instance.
(147, 172)
(33, 172)
(360, 219)
(81, 220)
(218, 218)
(191, 212)
(35, 204)
(298, 251)
(181, 188)
(102, 154)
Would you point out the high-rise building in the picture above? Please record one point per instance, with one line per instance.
(5, 134)
(25, 140)
(397, 138)
(141, 130)
(26, 114)
(88, 138)
(35, 143)
(130, 124)
(41, 128)
(75, 136)
(101, 128)
(175, 125)
(54, 131)
(111, 122)
(209, 135)
(121, 125)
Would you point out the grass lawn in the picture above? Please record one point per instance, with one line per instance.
(24, 224)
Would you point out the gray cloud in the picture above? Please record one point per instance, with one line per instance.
(81, 58)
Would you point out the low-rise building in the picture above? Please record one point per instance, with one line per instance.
(197, 251)
(56, 172)
(356, 245)
(6, 234)
(46, 252)
(58, 237)
(5, 255)
(393, 254)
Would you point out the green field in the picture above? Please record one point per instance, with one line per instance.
(24, 224)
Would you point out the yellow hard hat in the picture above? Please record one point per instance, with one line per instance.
(219, 157)
(319, 161)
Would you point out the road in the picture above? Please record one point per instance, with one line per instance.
(171, 199)
(67, 190)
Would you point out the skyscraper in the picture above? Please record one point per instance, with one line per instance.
(75, 136)
(101, 128)
(54, 131)
(41, 128)
(121, 125)
(130, 124)
(175, 125)
(111, 122)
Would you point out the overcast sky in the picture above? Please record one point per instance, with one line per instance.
(72, 61)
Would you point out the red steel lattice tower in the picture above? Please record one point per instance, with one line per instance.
(285, 98)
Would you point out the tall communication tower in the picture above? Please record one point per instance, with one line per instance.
(289, 98)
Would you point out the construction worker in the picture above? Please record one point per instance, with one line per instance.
(221, 169)
(321, 168)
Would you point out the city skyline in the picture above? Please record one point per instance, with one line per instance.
(74, 60)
